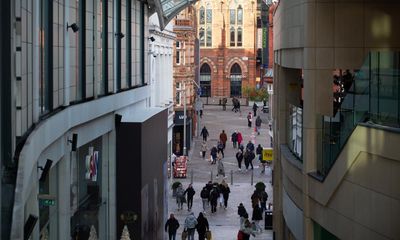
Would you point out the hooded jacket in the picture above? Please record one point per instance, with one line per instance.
(190, 221)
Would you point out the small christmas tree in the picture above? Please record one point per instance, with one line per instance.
(125, 234)
(93, 233)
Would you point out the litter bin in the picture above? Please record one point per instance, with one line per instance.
(268, 219)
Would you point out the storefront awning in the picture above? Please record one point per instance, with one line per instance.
(168, 9)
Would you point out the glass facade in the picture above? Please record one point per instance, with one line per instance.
(295, 131)
(370, 95)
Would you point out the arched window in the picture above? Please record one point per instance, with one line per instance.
(239, 37)
(202, 15)
(201, 37)
(240, 15)
(205, 80)
(236, 80)
(232, 36)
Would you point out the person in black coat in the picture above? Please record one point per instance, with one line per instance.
(239, 158)
(234, 139)
(171, 226)
(255, 107)
(190, 193)
(214, 194)
(257, 216)
(202, 226)
(225, 193)
(241, 210)
(204, 133)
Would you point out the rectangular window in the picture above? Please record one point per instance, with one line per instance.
(202, 17)
(178, 45)
(209, 15)
(178, 57)
(178, 95)
(81, 85)
(295, 131)
(142, 34)
(239, 37)
(209, 36)
(102, 55)
(240, 16)
(232, 16)
(202, 41)
(46, 55)
(232, 37)
(128, 43)
(118, 44)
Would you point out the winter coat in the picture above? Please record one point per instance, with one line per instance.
(259, 149)
(190, 192)
(239, 137)
(204, 147)
(225, 192)
(204, 132)
(258, 121)
(255, 107)
(234, 137)
(214, 152)
(257, 213)
(205, 194)
(180, 192)
(172, 225)
(202, 224)
(190, 221)
(214, 194)
(250, 146)
(263, 197)
(223, 138)
(239, 156)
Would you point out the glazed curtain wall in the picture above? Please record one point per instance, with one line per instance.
(55, 66)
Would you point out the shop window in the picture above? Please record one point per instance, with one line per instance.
(236, 81)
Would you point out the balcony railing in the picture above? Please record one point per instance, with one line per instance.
(372, 97)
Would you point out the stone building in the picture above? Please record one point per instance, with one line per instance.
(184, 72)
(227, 33)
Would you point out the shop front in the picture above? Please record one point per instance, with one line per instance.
(177, 137)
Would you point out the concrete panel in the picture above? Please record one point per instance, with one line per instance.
(349, 58)
(324, 94)
(325, 59)
(325, 15)
(349, 24)
(293, 216)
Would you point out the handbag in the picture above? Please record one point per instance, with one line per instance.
(184, 235)
(208, 235)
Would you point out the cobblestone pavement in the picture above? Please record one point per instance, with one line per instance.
(224, 224)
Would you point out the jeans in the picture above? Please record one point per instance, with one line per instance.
(172, 235)
(205, 203)
(190, 233)
(189, 203)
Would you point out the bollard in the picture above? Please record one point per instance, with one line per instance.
(231, 177)
(211, 174)
(191, 176)
(252, 171)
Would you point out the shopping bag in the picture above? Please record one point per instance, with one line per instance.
(240, 235)
(201, 154)
(184, 235)
(208, 235)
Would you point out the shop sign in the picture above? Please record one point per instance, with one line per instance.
(92, 163)
(268, 154)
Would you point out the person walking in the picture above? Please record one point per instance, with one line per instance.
(180, 195)
(249, 119)
(171, 226)
(214, 194)
(203, 149)
(257, 217)
(250, 146)
(246, 230)
(234, 139)
(190, 193)
(239, 139)
(202, 226)
(252, 155)
(263, 200)
(255, 198)
(259, 155)
(205, 196)
(204, 133)
(190, 225)
(241, 210)
(258, 124)
(225, 193)
(224, 102)
(220, 147)
(223, 138)
(255, 107)
(220, 167)
(213, 154)
(239, 158)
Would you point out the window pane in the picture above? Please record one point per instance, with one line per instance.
(201, 14)
(232, 16)
(209, 16)
(178, 53)
(209, 37)
(201, 37)
(232, 37)
(240, 15)
(239, 37)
